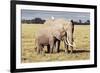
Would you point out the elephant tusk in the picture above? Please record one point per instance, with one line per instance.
(68, 43)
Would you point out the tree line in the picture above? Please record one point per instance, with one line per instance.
(42, 21)
(34, 21)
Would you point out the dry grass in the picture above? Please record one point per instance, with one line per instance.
(81, 38)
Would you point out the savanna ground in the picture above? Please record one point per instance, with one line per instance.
(81, 38)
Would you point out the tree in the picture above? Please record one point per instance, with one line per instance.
(88, 21)
(80, 21)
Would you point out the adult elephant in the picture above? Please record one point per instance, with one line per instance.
(52, 35)
(69, 40)
(69, 31)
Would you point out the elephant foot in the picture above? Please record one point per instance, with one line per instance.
(66, 51)
(71, 51)
(58, 51)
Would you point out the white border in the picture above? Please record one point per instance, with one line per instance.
(51, 64)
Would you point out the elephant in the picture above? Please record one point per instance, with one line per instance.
(52, 35)
(47, 37)
(68, 26)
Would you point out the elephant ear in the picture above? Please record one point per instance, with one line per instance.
(57, 35)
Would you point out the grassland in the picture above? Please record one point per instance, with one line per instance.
(81, 38)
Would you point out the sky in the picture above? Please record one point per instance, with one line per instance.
(76, 16)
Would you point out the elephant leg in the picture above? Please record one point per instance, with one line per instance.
(58, 46)
(55, 45)
(42, 51)
(70, 39)
(71, 47)
(52, 44)
(48, 48)
(38, 49)
(51, 47)
(66, 47)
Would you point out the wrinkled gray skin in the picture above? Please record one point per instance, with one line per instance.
(52, 35)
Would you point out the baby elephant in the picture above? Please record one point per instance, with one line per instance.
(46, 39)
